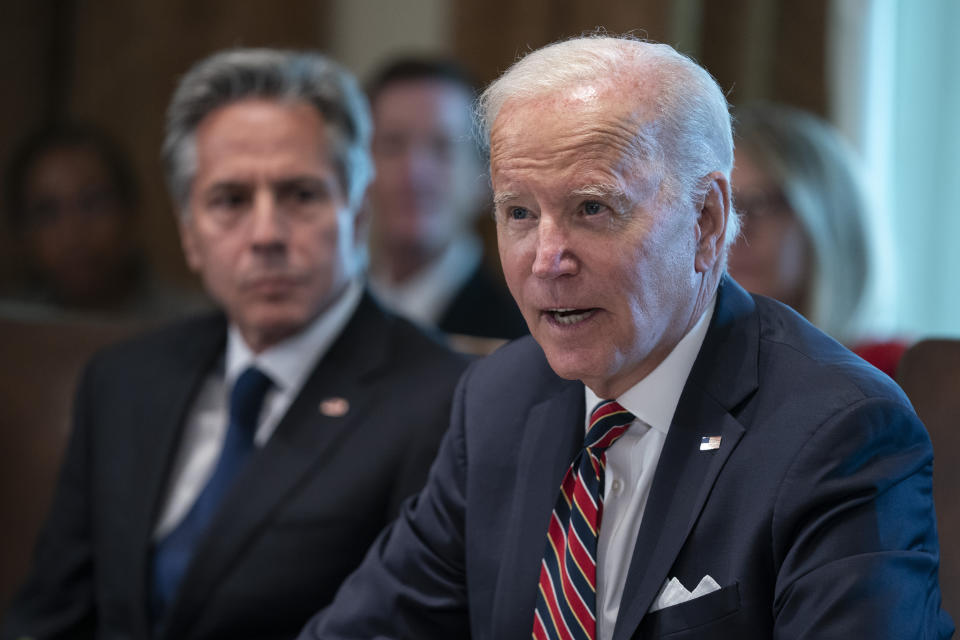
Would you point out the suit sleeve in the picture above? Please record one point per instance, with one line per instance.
(421, 448)
(854, 531)
(57, 600)
(412, 582)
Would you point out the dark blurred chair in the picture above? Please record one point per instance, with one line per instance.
(930, 374)
(40, 361)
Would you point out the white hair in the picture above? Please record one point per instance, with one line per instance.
(690, 134)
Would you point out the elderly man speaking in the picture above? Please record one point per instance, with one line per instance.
(667, 455)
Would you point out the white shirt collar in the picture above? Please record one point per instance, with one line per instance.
(654, 399)
(289, 362)
(426, 295)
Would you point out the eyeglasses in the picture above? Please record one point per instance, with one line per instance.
(761, 205)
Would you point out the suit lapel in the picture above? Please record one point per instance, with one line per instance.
(165, 405)
(552, 435)
(680, 488)
(724, 373)
(304, 436)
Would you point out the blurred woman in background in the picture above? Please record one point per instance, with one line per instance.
(804, 242)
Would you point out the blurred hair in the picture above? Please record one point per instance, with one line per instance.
(819, 177)
(425, 69)
(238, 74)
(67, 135)
(415, 69)
(687, 139)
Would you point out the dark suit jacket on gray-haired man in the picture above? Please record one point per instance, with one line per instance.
(770, 484)
(226, 473)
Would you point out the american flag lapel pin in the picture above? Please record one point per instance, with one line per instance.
(709, 443)
(334, 407)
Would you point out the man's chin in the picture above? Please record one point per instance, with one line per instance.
(265, 329)
(566, 364)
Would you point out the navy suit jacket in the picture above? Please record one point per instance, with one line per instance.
(295, 522)
(815, 514)
(483, 307)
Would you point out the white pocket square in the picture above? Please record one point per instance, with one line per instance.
(674, 593)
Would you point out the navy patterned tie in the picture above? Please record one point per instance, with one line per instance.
(567, 595)
(171, 556)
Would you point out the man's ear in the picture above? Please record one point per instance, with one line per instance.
(188, 242)
(712, 222)
(361, 223)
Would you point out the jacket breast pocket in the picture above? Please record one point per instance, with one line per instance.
(686, 616)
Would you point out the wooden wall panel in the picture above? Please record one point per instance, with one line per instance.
(490, 34)
(764, 50)
(799, 70)
(757, 49)
(25, 41)
(128, 57)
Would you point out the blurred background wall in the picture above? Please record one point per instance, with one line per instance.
(115, 62)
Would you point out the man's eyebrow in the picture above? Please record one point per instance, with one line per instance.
(299, 181)
(609, 192)
(599, 191)
(504, 196)
(228, 184)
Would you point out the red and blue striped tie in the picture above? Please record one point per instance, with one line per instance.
(567, 594)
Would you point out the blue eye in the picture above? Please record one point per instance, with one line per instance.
(592, 208)
(518, 213)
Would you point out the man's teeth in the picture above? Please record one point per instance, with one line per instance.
(570, 316)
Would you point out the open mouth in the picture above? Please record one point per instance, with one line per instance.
(570, 316)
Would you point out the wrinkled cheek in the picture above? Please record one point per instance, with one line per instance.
(522, 286)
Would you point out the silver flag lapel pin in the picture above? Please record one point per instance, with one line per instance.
(709, 443)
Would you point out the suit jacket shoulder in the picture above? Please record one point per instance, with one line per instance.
(483, 307)
(186, 344)
(354, 444)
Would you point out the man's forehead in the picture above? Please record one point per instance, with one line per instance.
(586, 103)
(586, 126)
(585, 142)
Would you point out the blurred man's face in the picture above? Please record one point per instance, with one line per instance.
(607, 275)
(79, 235)
(429, 178)
(268, 228)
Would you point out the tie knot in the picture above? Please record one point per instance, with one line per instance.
(608, 421)
(246, 398)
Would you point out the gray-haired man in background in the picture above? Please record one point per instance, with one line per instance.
(224, 474)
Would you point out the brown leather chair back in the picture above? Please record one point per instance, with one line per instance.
(40, 361)
(930, 374)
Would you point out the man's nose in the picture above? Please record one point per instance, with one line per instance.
(269, 228)
(554, 256)
(419, 163)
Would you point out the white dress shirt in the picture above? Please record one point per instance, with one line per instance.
(287, 364)
(426, 295)
(631, 463)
